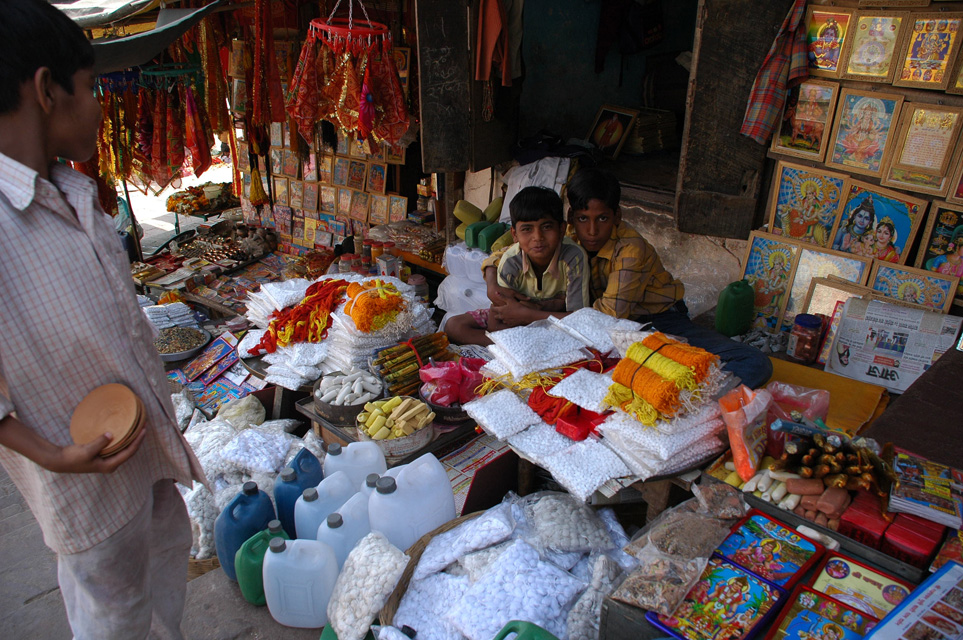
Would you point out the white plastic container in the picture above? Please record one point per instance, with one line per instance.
(299, 577)
(418, 501)
(345, 527)
(358, 459)
(368, 486)
(317, 503)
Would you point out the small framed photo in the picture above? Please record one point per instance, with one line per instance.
(295, 194)
(357, 174)
(876, 38)
(310, 198)
(863, 130)
(339, 228)
(309, 171)
(286, 132)
(821, 263)
(281, 191)
(827, 31)
(929, 51)
(297, 226)
(359, 206)
(323, 239)
(277, 135)
(941, 248)
(290, 164)
(397, 208)
(356, 148)
(375, 153)
(394, 155)
(612, 127)
(324, 169)
(239, 96)
(402, 60)
(377, 176)
(928, 288)
(243, 157)
(343, 143)
(807, 120)
(768, 267)
(339, 175)
(378, 209)
(277, 162)
(327, 200)
(825, 293)
(927, 138)
(344, 201)
(235, 61)
(805, 203)
(310, 231)
(878, 223)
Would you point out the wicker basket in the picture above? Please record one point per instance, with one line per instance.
(196, 568)
(387, 614)
(339, 415)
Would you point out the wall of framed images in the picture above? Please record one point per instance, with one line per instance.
(868, 160)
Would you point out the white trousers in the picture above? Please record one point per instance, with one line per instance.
(133, 584)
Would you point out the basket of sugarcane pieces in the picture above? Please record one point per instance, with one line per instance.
(399, 365)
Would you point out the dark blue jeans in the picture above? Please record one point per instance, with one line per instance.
(749, 363)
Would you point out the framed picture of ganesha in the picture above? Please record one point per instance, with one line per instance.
(865, 125)
(805, 203)
(768, 267)
(807, 120)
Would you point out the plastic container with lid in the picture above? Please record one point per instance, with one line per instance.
(249, 512)
(390, 248)
(299, 577)
(420, 284)
(303, 472)
(734, 310)
(804, 340)
(357, 459)
(249, 562)
(377, 248)
(344, 528)
(344, 263)
(368, 486)
(366, 249)
(317, 503)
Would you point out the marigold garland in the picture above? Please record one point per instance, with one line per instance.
(373, 304)
(307, 321)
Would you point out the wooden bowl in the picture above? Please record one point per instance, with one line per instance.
(396, 448)
(110, 407)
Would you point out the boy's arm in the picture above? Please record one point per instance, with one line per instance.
(577, 271)
(497, 294)
(630, 274)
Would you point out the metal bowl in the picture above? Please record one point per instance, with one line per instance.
(340, 415)
(453, 415)
(190, 353)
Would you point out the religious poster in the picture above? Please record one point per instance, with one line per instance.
(805, 203)
(876, 39)
(826, 32)
(806, 120)
(929, 51)
(878, 223)
(863, 130)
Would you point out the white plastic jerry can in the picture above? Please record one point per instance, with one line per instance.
(299, 577)
(317, 503)
(344, 528)
(358, 459)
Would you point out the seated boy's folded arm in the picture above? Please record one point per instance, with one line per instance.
(578, 273)
(625, 287)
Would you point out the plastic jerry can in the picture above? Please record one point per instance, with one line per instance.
(249, 561)
(299, 577)
(288, 488)
(317, 503)
(249, 512)
(346, 526)
(734, 309)
(418, 501)
(524, 631)
(358, 459)
(368, 486)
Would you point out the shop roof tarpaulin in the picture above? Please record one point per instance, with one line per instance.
(97, 13)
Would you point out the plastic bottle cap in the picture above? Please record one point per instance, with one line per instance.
(386, 485)
(808, 321)
(310, 495)
(334, 449)
(274, 526)
(408, 631)
(372, 479)
(335, 520)
(277, 545)
(249, 488)
(289, 475)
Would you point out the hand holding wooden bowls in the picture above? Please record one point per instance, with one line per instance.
(109, 408)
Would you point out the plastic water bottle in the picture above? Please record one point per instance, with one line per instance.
(249, 512)
(317, 503)
(299, 577)
(344, 528)
(358, 459)
(368, 487)
(734, 309)
(419, 501)
(249, 562)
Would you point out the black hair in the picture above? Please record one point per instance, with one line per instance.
(592, 183)
(35, 34)
(534, 203)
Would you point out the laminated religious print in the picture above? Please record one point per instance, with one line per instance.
(805, 203)
(327, 200)
(769, 265)
(295, 194)
(811, 615)
(863, 130)
(856, 585)
(927, 288)
(770, 549)
(878, 223)
(339, 175)
(929, 51)
(310, 197)
(378, 209)
(927, 138)
(281, 191)
(807, 120)
(941, 250)
(876, 38)
(324, 169)
(344, 201)
(397, 208)
(821, 263)
(357, 174)
(826, 33)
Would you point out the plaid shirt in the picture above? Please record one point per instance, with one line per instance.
(785, 65)
(627, 277)
(70, 323)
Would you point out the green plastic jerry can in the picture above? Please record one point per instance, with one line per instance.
(734, 310)
(473, 231)
(249, 562)
(525, 631)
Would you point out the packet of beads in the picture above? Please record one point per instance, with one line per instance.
(563, 524)
(536, 347)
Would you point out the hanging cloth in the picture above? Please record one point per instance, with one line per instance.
(175, 133)
(303, 96)
(197, 134)
(160, 170)
(492, 44)
(388, 94)
(267, 99)
(785, 66)
(215, 86)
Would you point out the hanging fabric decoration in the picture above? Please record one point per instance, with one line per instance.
(267, 99)
(175, 133)
(215, 86)
(160, 170)
(197, 134)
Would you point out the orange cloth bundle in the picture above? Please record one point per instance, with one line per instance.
(373, 304)
(647, 384)
(699, 360)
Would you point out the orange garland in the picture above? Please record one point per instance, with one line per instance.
(647, 384)
(699, 360)
(373, 304)
(307, 321)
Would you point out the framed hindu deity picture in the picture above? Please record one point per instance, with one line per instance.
(955, 194)
(824, 293)
(612, 128)
(394, 155)
(310, 197)
(878, 223)
(239, 96)
(339, 174)
(356, 148)
(377, 176)
(378, 209)
(397, 208)
(295, 194)
(921, 181)
(309, 171)
(281, 191)
(875, 40)
(863, 130)
(325, 164)
(956, 80)
(928, 288)
(806, 120)
(359, 206)
(343, 143)
(344, 201)
(357, 174)
(827, 29)
(927, 138)
(768, 267)
(290, 163)
(277, 161)
(929, 50)
(805, 203)
(941, 248)
(327, 200)
(821, 263)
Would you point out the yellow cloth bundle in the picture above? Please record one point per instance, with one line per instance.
(622, 397)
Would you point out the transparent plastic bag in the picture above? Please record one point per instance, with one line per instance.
(256, 450)
(426, 603)
(583, 619)
(660, 582)
(682, 532)
(490, 528)
(562, 523)
(719, 499)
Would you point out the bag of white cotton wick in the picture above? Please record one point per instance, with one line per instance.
(562, 523)
(369, 575)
